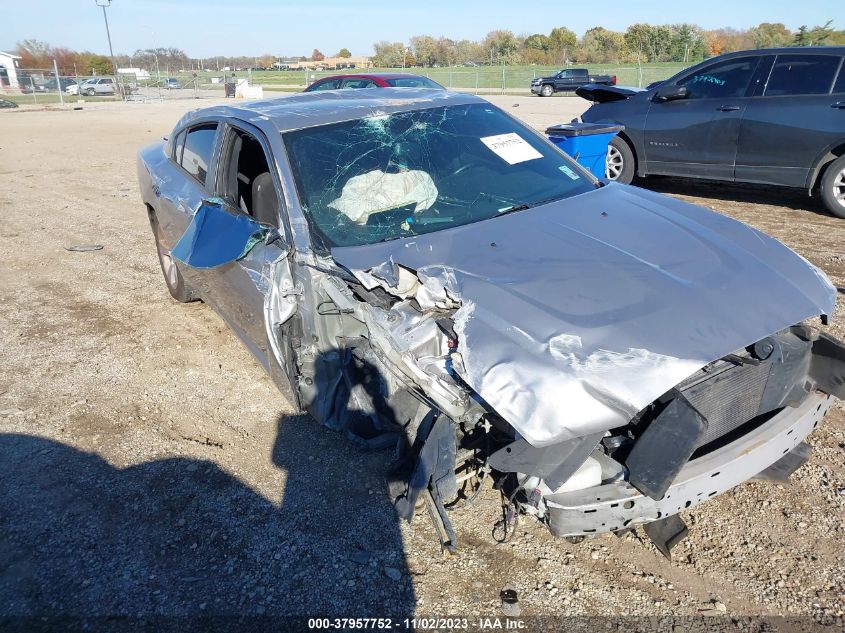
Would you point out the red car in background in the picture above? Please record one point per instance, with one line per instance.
(373, 80)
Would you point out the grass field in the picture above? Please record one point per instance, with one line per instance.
(482, 78)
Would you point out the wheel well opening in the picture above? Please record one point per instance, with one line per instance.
(630, 144)
(824, 163)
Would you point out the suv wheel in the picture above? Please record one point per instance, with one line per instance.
(90, 92)
(619, 164)
(833, 187)
(547, 91)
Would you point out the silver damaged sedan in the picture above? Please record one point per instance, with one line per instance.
(424, 273)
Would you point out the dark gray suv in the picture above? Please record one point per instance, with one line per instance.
(770, 116)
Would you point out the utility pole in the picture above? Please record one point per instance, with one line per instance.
(104, 4)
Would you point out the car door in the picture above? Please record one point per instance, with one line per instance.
(697, 136)
(566, 79)
(248, 182)
(793, 120)
(184, 186)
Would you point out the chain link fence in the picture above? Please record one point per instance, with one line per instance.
(476, 79)
(43, 86)
(46, 86)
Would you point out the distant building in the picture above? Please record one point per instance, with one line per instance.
(9, 66)
(140, 73)
(329, 63)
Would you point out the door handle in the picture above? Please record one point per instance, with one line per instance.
(156, 191)
(839, 104)
(728, 108)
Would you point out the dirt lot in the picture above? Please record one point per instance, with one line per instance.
(149, 467)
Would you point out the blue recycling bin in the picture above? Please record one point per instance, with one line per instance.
(585, 142)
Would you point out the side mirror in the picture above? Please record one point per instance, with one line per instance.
(218, 235)
(671, 93)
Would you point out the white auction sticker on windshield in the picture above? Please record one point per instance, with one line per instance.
(511, 147)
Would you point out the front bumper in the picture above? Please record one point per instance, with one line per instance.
(619, 505)
(535, 88)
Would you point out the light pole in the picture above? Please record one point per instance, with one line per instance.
(104, 4)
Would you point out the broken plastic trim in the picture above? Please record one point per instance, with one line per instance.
(218, 236)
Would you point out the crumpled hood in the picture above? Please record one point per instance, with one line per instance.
(576, 315)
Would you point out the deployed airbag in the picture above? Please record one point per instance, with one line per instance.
(378, 191)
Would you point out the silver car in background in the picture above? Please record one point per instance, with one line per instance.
(95, 86)
(419, 270)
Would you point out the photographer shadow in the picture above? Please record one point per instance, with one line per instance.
(183, 537)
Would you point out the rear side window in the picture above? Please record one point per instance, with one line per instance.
(325, 85)
(358, 83)
(802, 75)
(412, 82)
(724, 79)
(197, 153)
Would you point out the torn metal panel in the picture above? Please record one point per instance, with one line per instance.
(435, 465)
(828, 365)
(577, 314)
(553, 464)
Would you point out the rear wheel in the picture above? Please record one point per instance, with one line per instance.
(176, 285)
(619, 164)
(547, 91)
(833, 187)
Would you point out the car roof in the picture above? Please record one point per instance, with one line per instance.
(309, 109)
(795, 50)
(373, 76)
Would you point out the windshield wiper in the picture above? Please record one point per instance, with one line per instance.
(527, 205)
(513, 209)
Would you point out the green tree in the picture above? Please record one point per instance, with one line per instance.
(501, 46)
(770, 35)
(638, 39)
(686, 42)
(344, 52)
(600, 46)
(562, 42)
(538, 42)
(469, 51)
(94, 64)
(425, 49)
(389, 54)
(816, 36)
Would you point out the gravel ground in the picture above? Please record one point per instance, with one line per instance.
(149, 467)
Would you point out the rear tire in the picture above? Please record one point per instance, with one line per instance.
(547, 91)
(620, 162)
(833, 187)
(173, 279)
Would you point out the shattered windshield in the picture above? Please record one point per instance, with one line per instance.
(397, 175)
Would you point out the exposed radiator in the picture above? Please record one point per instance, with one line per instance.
(728, 396)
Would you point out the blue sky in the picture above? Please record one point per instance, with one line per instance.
(203, 28)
